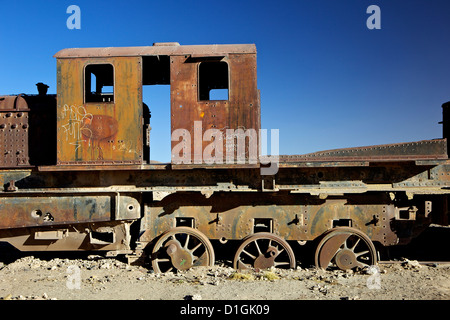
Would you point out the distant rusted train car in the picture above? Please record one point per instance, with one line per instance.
(75, 170)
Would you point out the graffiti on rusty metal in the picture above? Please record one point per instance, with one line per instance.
(76, 125)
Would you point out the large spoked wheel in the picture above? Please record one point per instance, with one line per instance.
(262, 251)
(345, 248)
(181, 248)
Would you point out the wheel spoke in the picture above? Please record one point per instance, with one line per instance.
(354, 246)
(285, 263)
(257, 247)
(187, 241)
(196, 247)
(361, 253)
(242, 265)
(249, 254)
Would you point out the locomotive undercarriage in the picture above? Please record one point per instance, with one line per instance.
(170, 217)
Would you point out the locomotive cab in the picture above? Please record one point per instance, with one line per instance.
(101, 117)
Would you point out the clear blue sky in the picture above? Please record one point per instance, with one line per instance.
(326, 80)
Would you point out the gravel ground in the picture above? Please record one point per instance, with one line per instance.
(94, 277)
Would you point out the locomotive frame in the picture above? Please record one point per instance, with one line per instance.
(76, 170)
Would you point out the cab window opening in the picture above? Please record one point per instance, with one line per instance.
(99, 83)
(213, 80)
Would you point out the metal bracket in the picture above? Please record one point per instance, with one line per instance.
(268, 183)
(12, 187)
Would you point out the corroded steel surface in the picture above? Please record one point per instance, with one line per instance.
(107, 236)
(111, 132)
(14, 126)
(48, 210)
(13, 103)
(293, 217)
(99, 132)
(188, 112)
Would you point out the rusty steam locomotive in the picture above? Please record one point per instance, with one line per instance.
(75, 171)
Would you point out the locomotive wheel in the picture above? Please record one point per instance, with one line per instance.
(262, 251)
(181, 248)
(345, 248)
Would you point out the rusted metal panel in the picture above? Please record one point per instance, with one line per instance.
(14, 128)
(293, 217)
(245, 104)
(18, 211)
(379, 177)
(108, 132)
(205, 122)
(13, 104)
(111, 236)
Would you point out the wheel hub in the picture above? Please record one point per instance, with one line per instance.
(346, 259)
(181, 259)
(267, 260)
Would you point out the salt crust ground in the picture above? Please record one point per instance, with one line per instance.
(97, 278)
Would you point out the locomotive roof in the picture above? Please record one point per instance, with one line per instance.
(170, 49)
